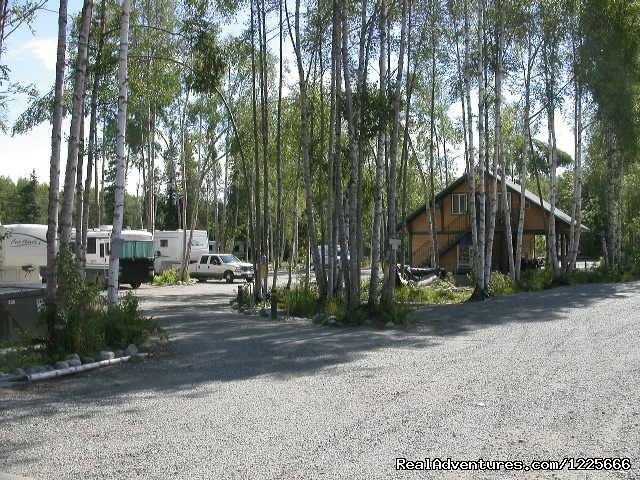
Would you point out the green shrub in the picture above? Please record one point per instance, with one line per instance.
(170, 276)
(86, 324)
(536, 279)
(501, 284)
(125, 324)
(301, 300)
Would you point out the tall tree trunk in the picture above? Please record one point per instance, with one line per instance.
(54, 177)
(465, 87)
(549, 78)
(390, 280)
(493, 186)
(293, 261)
(279, 223)
(353, 292)
(77, 211)
(481, 285)
(332, 153)
(265, 132)
(4, 14)
(432, 114)
(380, 160)
(77, 118)
(506, 204)
(305, 141)
(342, 272)
(92, 157)
(611, 257)
(118, 211)
(257, 224)
(185, 194)
(576, 214)
(526, 158)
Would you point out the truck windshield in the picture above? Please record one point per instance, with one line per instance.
(229, 259)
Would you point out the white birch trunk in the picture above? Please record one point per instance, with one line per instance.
(118, 211)
(77, 118)
(390, 280)
(54, 171)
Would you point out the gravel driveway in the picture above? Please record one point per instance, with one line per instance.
(528, 377)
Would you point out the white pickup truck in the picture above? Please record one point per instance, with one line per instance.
(221, 266)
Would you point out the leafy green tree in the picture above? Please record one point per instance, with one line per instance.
(27, 196)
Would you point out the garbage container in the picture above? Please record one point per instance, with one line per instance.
(20, 309)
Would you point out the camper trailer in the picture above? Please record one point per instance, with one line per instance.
(23, 254)
(168, 246)
(136, 261)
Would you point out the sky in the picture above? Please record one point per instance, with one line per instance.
(31, 56)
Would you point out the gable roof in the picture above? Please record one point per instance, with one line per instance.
(514, 187)
(451, 187)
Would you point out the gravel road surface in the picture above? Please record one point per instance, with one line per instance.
(528, 377)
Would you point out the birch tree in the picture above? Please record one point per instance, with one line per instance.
(54, 176)
(118, 211)
(380, 161)
(499, 142)
(392, 190)
(77, 119)
(294, 34)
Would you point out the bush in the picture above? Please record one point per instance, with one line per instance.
(302, 300)
(501, 284)
(537, 279)
(169, 277)
(125, 324)
(87, 324)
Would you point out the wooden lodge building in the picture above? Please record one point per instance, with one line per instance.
(453, 227)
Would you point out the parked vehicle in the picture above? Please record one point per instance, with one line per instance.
(136, 261)
(168, 246)
(221, 266)
(23, 254)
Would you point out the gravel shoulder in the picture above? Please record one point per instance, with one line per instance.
(533, 376)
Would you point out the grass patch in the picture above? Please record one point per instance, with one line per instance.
(441, 291)
(303, 300)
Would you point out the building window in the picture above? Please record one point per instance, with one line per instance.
(203, 260)
(91, 245)
(164, 243)
(459, 203)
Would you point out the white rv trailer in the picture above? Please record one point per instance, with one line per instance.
(168, 247)
(23, 253)
(136, 261)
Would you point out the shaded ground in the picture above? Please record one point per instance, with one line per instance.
(533, 376)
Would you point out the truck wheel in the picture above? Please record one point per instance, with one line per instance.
(135, 285)
(228, 277)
